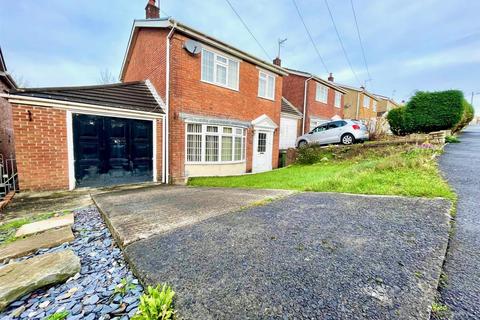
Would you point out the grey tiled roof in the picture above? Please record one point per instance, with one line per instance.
(288, 107)
(129, 95)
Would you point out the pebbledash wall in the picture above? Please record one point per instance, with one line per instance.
(190, 95)
(42, 144)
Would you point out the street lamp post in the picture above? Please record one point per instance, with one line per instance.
(473, 94)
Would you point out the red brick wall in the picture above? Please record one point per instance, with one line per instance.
(6, 126)
(319, 109)
(190, 95)
(294, 90)
(41, 147)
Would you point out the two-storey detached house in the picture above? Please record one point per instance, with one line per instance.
(359, 104)
(317, 99)
(223, 105)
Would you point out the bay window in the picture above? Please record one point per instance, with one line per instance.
(266, 85)
(220, 70)
(214, 144)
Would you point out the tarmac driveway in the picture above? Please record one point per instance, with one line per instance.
(306, 256)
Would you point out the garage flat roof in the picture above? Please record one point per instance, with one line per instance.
(138, 95)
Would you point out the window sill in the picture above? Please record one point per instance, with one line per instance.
(219, 85)
(265, 98)
(216, 163)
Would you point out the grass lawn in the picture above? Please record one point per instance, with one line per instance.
(390, 171)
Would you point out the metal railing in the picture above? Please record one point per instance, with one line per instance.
(8, 176)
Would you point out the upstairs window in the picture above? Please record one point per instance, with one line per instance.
(338, 99)
(266, 85)
(366, 101)
(321, 93)
(219, 69)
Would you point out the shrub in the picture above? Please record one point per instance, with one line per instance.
(468, 114)
(396, 120)
(427, 112)
(452, 139)
(57, 316)
(156, 304)
(308, 155)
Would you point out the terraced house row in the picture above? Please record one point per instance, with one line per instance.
(187, 105)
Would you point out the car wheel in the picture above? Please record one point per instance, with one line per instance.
(302, 143)
(348, 139)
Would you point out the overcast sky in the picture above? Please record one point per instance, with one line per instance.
(409, 45)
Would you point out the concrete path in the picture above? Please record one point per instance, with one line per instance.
(306, 256)
(140, 213)
(461, 166)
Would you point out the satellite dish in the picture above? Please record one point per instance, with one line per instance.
(192, 46)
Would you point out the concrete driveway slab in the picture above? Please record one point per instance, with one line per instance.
(307, 256)
(140, 213)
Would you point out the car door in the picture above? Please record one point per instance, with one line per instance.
(318, 134)
(335, 131)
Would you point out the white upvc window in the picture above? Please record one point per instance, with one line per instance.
(338, 99)
(374, 106)
(321, 93)
(366, 101)
(266, 85)
(219, 69)
(214, 144)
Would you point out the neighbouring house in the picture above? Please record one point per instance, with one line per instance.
(90, 136)
(359, 104)
(7, 83)
(223, 105)
(385, 104)
(318, 100)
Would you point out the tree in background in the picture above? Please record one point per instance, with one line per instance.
(106, 77)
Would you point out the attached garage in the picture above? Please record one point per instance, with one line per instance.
(289, 125)
(110, 151)
(94, 136)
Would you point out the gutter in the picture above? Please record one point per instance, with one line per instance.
(166, 126)
(305, 104)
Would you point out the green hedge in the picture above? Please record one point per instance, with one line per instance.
(468, 114)
(429, 111)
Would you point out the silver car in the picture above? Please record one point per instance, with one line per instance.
(339, 131)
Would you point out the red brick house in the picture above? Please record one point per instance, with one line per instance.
(317, 99)
(223, 104)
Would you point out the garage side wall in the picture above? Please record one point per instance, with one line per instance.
(40, 137)
(6, 126)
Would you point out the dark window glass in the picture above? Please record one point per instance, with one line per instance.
(262, 142)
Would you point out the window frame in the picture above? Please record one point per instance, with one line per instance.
(220, 134)
(374, 108)
(338, 95)
(215, 63)
(317, 90)
(366, 105)
(268, 76)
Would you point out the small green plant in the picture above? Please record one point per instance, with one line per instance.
(443, 280)
(57, 316)
(439, 309)
(452, 139)
(156, 304)
(123, 287)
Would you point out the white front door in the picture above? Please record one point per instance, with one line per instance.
(262, 151)
(288, 132)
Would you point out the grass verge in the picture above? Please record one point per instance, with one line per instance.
(399, 170)
(8, 229)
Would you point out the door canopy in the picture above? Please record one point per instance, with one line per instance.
(264, 123)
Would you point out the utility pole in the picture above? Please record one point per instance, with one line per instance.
(280, 44)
